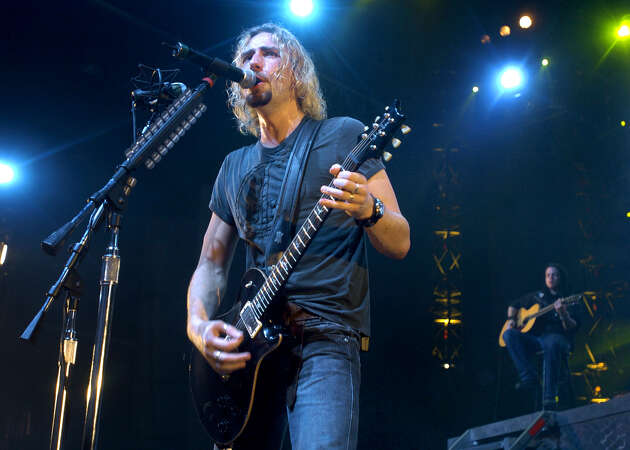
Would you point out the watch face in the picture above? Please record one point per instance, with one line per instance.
(380, 209)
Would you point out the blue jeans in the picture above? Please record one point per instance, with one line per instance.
(326, 410)
(324, 414)
(523, 346)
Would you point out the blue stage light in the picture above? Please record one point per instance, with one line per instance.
(6, 173)
(511, 78)
(301, 8)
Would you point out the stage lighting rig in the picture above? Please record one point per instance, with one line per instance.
(544, 62)
(623, 31)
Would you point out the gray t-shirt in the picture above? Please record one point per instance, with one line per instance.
(331, 280)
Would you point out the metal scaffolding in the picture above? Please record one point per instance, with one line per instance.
(447, 275)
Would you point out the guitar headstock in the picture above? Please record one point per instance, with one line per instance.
(572, 299)
(383, 129)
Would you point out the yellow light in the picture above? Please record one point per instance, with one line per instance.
(628, 214)
(599, 400)
(475, 89)
(525, 22)
(505, 31)
(623, 31)
(622, 123)
(545, 62)
(3, 252)
(485, 39)
(447, 322)
(446, 366)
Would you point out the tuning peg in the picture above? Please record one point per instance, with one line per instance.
(365, 128)
(405, 129)
(396, 143)
(387, 156)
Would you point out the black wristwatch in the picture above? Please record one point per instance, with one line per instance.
(377, 212)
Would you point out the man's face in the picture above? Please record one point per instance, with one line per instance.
(262, 56)
(552, 278)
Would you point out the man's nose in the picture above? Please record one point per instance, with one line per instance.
(256, 63)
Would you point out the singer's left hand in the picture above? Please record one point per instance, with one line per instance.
(350, 193)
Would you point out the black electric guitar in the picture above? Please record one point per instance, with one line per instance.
(224, 403)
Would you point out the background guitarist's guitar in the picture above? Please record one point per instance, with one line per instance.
(224, 403)
(525, 318)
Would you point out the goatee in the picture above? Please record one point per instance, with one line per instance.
(256, 100)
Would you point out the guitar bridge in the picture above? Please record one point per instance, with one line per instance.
(248, 316)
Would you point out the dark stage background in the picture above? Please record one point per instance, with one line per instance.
(540, 177)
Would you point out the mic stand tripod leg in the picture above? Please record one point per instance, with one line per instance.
(67, 357)
(110, 266)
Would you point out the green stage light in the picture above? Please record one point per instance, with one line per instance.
(623, 31)
(545, 62)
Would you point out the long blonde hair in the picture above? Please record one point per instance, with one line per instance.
(295, 62)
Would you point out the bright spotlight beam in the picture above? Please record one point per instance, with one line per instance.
(623, 31)
(301, 8)
(511, 78)
(6, 173)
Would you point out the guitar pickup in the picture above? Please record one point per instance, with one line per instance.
(248, 316)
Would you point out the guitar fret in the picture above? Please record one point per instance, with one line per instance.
(264, 289)
(311, 224)
(257, 310)
(284, 267)
(304, 230)
(301, 241)
(292, 257)
(259, 298)
(315, 211)
(296, 249)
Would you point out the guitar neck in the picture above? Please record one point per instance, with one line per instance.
(546, 309)
(291, 256)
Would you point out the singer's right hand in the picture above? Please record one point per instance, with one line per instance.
(218, 344)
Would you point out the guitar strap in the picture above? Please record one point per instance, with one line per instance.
(285, 218)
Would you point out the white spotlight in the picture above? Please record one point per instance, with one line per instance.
(6, 173)
(525, 22)
(3, 252)
(511, 78)
(301, 8)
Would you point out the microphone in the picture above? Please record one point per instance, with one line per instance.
(245, 77)
(166, 91)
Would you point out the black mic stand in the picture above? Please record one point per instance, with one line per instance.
(108, 202)
(71, 283)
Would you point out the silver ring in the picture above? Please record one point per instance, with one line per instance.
(225, 328)
(351, 198)
(356, 189)
(217, 355)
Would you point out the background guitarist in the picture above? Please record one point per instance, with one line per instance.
(551, 333)
(328, 291)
